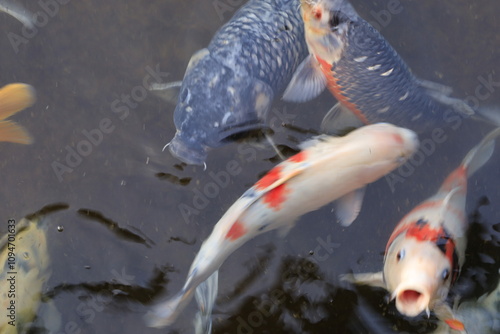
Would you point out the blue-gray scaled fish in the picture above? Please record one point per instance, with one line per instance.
(25, 269)
(229, 86)
(327, 169)
(426, 250)
(364, 73)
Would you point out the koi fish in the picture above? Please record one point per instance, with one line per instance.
(13, 98)
(426, 250)
(326, 169)
(364, 73)
(229, 86)
(24, 254)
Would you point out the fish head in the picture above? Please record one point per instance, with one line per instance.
(417, 274)
(380, 148)
(326, 25)
(216, 104)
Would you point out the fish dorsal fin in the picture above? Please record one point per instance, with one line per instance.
(307, 82)
(449, 199)
(348, 206)
(339, 121)
(481, 153)
(168, 92)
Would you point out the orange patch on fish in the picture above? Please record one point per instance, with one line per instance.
(423, 232)
(336, 89)
(299, 157)
(236, 231)
(455, 324)
(276, 197)
(272, 176)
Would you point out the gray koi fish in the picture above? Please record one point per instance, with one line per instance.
(229, 86)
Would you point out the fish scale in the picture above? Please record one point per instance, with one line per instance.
(383, 91)
(253, 27)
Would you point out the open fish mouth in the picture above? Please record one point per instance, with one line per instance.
(411, 302)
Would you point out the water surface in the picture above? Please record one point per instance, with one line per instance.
(127, 238)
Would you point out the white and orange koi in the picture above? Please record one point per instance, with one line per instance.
(327, 169)
(426, 250)
(14, 98)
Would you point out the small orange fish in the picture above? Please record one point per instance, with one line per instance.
(14, 98)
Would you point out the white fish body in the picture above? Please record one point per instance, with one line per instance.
(427, 248)
(327, 169)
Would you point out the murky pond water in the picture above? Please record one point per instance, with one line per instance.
(126, 236)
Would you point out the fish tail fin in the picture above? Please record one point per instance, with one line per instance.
(14, 133)
(165, 313)
(481, 153)
(206, 293)
(15, 97)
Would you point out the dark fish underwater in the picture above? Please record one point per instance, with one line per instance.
(229, 86)
(364, 73)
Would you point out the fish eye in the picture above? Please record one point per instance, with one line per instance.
(400, 255)
(445, 275)
(336, 19)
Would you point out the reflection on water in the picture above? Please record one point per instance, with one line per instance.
(98, 148)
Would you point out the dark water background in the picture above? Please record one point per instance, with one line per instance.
(125, 241)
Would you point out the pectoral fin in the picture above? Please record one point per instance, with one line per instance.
(283, 231)
(307, 82)
(373, 279)
(347, 207)
(170, 91)
(444, 313)
(339, 121)
(167, 91)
